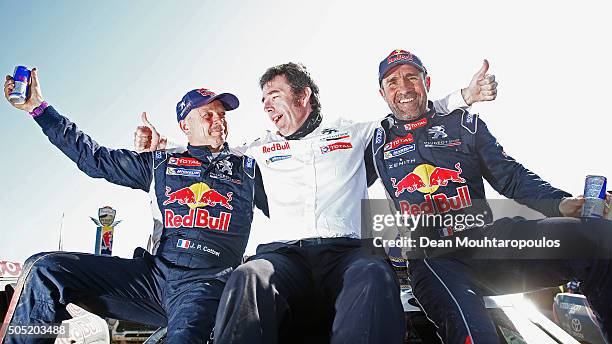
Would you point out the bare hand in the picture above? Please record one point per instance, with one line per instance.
(483, 86)
(147, 138)
(571, 206)
(607, 209)
(34, 99)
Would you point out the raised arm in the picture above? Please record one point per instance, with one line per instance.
(118, 166)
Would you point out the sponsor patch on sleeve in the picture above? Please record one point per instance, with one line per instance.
(379, 136)
(469, 121)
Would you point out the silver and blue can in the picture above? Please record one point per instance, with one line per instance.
(609, 205)
(595, 196)
(19, 95)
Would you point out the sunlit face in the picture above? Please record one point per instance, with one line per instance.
(206, 125)
(405, 88)
(284, 109)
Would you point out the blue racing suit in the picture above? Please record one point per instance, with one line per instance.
(205, 203)
(436, 164)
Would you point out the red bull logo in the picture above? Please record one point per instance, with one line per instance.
(411, 183)
(399, 54)
(182, 196)
(441, 176)
(198, 195)
(212, 198)
(206, 92)
(197, 218)
(275, 147)
(427, 179)
(399, 142)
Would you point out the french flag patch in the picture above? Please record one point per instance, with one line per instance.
(182, 243)
(447, 231)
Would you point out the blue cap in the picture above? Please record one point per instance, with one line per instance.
(396, 58)
(202, 96)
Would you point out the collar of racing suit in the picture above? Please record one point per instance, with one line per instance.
(392, 121)
(312, 122)
(203, 153)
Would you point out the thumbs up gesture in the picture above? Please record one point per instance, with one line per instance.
(147, 138)
(483, 86)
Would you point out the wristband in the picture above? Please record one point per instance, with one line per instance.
(39, 109)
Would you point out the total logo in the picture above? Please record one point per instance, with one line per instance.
(335, 146)
(399, 142)
(184, 162)
(416, 124)
(427, 179)
(9, 269)
(275, 147)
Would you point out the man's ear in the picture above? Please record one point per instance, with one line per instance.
(184, 126)
(382, 93)
(427, 82)
(306, 96)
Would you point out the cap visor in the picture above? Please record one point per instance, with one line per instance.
(229, 101)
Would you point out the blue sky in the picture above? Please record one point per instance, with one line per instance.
(103, 63)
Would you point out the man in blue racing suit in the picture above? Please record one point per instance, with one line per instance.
(204, 197)
(433, 163)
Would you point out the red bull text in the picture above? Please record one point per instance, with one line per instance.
(197, 218)
(443, 203)
(275, 147)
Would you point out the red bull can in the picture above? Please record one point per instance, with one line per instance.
(609, 205)
(20, 92)
(595, 195)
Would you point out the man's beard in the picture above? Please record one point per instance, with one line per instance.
(415, 108)
(400, 114)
